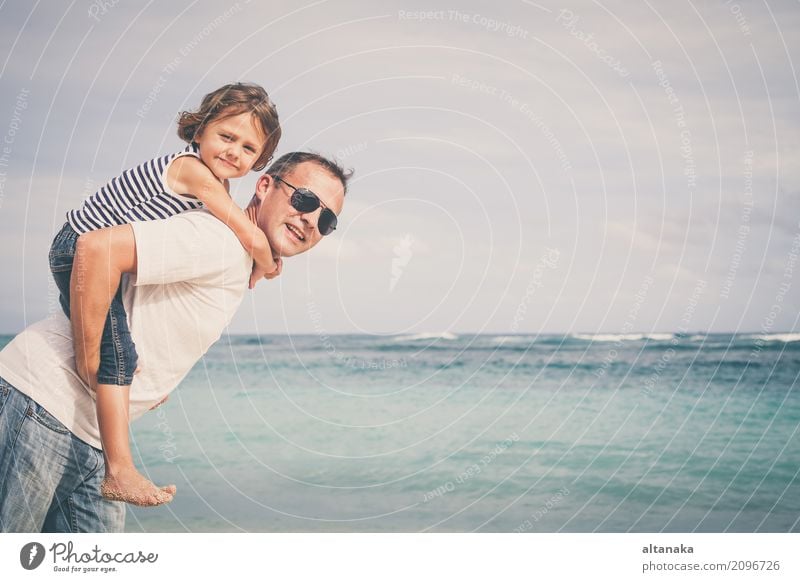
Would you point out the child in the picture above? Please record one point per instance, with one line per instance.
(235, 130)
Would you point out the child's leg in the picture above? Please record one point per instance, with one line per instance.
(123, 482)
(117, 365)
(62, 255)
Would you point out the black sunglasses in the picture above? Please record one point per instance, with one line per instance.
(305, 200)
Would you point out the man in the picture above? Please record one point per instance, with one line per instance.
(188, 275)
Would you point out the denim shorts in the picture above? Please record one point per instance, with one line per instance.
(118, 357)
(49, 478)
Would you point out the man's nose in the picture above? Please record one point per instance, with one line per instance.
(311, 217)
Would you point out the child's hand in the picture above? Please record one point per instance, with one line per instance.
(258, 273)
(277, 271)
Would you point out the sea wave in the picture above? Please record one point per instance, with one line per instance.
(513, 339)
(247, 340)
(616, 337)
(608, 337)
(445, 335)
(776, 337)
(660, 337)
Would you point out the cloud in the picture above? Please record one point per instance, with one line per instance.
(483, 145)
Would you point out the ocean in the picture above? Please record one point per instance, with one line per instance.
(490, 433)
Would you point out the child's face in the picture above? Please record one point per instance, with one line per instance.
(230, 146)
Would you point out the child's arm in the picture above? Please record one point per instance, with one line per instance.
(189, 175)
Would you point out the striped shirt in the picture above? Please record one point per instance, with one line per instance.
(137, 195)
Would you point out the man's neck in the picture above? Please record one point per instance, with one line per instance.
(251, 211)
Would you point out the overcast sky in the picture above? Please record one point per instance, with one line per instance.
(520, 167)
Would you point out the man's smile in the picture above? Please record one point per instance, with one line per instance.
(295, 232)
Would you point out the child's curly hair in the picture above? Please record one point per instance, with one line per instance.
(232, 100)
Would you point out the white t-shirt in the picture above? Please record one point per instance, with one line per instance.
(192, 276)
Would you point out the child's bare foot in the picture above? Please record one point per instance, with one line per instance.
(131, 487)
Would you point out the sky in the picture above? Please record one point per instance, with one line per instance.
(520, 167)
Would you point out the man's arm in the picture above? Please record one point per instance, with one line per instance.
(101, 257)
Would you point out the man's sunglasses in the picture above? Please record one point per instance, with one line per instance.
(305, 200)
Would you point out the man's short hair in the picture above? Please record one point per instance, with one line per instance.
(287, 162)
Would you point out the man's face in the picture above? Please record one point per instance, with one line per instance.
(289, 231)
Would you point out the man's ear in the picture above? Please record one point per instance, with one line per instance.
(263, 186)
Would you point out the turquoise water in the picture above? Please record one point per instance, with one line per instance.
(603, 433)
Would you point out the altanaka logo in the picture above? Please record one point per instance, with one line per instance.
(31, 555)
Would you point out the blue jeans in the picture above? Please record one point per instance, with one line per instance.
(118, 357)
(49, 478)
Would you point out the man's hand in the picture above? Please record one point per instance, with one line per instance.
(258, 273)
(87, 368)
(101, 256)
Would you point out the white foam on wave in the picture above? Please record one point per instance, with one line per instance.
(445, 335)
(625, 337)
(778, 337)
(608, 337)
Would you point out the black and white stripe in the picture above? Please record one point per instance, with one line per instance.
(136, 195)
